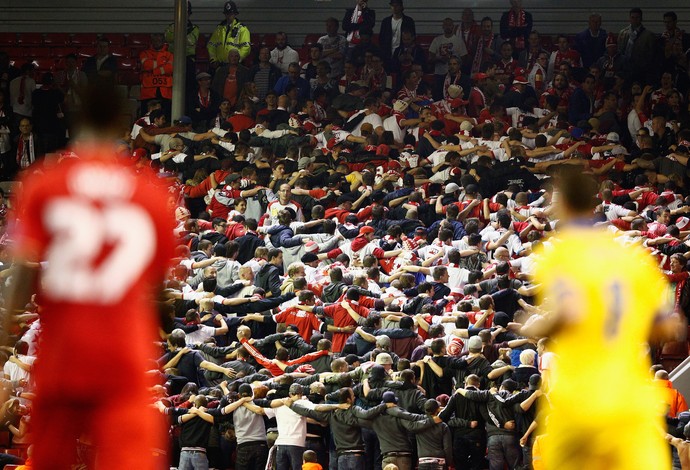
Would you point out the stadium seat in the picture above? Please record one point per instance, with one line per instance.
(38, 52)
(8, 39)
(16, 53)
(255, 39)
(120, 51)
(84, 39)
(4, 438)
(139, 39)
(303, 54)
(63, 51)
(57, 39)
(128, 64)
(116, 39)
(269, 40)
(30, 39)
(310, 39)
(86, 51)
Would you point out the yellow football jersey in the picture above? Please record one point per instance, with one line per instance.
(608, 296)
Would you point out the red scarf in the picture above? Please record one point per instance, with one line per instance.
(482, 44)
(516, 20)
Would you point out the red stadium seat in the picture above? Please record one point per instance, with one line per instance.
(86, 51)
(4, 438)
(255, 39)
(8, 39)
(269, 40)
(120, 51)
(16, 53)
(128, 64)
(57, 39)
(303, 54)
(139, 39)
(63, 51)
(84, 39)
(30, 39)
(311, 39)
(39, 52)
(116, 39)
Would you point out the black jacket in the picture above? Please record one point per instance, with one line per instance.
(392, 429)
(386, 32)
(460, 412)
(268, 278)
(368, 20)
(248, 243)
(498, 409)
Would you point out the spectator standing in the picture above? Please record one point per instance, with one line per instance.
(443, 48)
(528, 57)
(283, 55)
(591, 43)
(229, 34)
(203, 103)
(488, 47)
(29, 146)
(21, 92)
(516, 24)
(230, 78)
(470, 31)
(192, 38)
(264, 74)
(48, 115)
(334, 47)
(390, 34)
(638, 45)
(156, 73)
(103, 64)
(356, 19)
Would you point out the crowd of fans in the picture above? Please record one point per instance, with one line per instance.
(357, 245)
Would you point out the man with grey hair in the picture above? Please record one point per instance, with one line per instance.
(383, 344)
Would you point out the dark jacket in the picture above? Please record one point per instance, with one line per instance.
(283, 236)
(410, 398)
(498, 409)
(436, 442)
(392, 429)
(345, 424)
(460, 412)
(248, 243)
(218, 84)
(368, 20)
(268, 278)
(386, 32)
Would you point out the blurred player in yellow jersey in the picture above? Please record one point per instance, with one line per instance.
(602, 301)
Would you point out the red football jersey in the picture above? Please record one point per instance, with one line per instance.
(106, 239)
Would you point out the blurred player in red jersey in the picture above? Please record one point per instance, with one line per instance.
(106, 243)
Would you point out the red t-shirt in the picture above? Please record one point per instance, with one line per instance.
(343, 319)
(107, 242)
(305, 322)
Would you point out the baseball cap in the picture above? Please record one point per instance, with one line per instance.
(682, 223)
(611, 40)
(421, 230)
(230, 8)
(613, 137)
(185, 120)
(454, 91)
(474, 343)
(479, 76)
(682, 149)
(232, 177)
(384, 358)
(451, 188)
(366, 229)
(520, 80)
(202, 75)
(389, 397)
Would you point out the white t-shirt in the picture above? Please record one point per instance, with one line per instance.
(446, 47)
(17, 373)
(292, 428)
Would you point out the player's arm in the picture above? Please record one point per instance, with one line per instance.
(176, 358)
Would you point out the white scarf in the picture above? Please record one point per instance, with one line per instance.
(353, 36)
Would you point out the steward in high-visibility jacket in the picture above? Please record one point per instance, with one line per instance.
(228, 35)
(156, 70)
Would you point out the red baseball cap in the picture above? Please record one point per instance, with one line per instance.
(366, 229)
